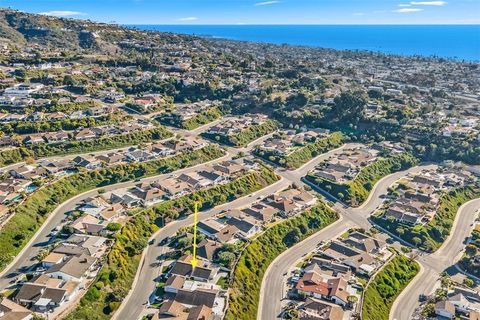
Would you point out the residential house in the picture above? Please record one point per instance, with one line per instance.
(182, 267)
(28, 172)
(216, 230)
(445, 309)
(321, 286)
(91, 245)
(174, 187)
(73, 269)
(93, 206)
(56, 137)
(365, 243)
(195, 180)
(88, 224)
(33, 139)
(247, 226)
(87, 162)
(110, 158)
(9, 310)
(174, 283)
(40, 297)
(126, 198)
(358, 260)
(85, 134)
(229, 168)
(207, 248)
(149, 195)
(261, 212)
(57, 166)
(315, 309)
(52, 259)
(138, 155)
(197, 297)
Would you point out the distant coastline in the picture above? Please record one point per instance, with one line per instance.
(459, 42)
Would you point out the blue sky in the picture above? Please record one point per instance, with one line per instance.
(259, 11)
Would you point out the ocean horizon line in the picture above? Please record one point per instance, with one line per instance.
(299, 24)
(459, 42)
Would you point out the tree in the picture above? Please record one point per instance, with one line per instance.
(349, 107)
(400, 231)
(29, 160)
(469, 282)
(183, 242)
(113, 226)
(352, 300)
(226, 259)
(292, 237)
(416, 241)
(471, 250)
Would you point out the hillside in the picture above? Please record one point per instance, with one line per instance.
(21, 28)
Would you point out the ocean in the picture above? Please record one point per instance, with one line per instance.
(461, 42)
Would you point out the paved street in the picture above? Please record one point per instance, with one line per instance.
(25, 258)
(133, 305)
(272, 291)
(434, 264)
(273, 285)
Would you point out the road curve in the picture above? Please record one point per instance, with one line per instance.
(272, 291)
(26, 257)
(437, 262)
(144, 284)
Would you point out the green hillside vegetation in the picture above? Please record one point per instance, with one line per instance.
(472, 250)
(141, 110)
(54, 106)
(31, 214)
(13, 155)
(256, 258)
(40, 150)
(116, 277)
(202, 118)
(29, 127)
(301, 156)
(20, 27)
(430, 236)
(196, 121)
(386, 286)
(355, 192)
(247, 135)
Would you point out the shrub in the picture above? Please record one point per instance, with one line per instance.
(386, 286)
